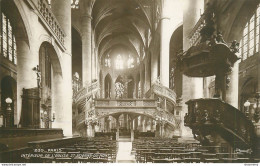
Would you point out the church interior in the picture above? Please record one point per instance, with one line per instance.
(130, 81)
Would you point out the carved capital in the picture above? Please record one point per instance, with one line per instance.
(86, 7)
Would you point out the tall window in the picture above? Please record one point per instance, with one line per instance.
(107, 61)
(45, 66)
(8, 42)
(130, 62)
(119, 62)
(250, 41)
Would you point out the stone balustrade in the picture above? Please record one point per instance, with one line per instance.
(48, 18)
(86, 91)
(163, 91)
(125, 103)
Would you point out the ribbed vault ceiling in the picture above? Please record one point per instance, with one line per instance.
(121, 23)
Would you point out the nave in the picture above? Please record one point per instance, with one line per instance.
(117, 81)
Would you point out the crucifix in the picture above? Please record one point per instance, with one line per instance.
(38, 74)
(126, 80)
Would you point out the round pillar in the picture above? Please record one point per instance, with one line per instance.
(192, 87)
(62, 12)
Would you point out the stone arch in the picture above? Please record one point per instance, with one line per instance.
(57, 90)
(21, 24)
(9, 90)
(55, 58)
(176, 46)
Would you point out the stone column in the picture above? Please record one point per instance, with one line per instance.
(86, 11)
(62, 11)
(232, 89)
(132, 130)
(93, 57)
(97, 63)
(143, 124)
(162, 129)
(117, 128)
(142, 75)
(192, 87)
(93, 130)
(137, 124)
(164, 51)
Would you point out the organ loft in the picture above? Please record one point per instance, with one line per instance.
(129, 81)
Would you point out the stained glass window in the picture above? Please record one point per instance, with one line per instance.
(250, 40)
(119, 62)
(8, 42)
(119, 87)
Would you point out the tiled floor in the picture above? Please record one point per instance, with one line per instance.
(124, 153)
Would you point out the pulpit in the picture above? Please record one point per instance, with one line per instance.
(30, 115)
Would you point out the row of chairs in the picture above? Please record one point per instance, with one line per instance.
(170, 151)
(83, 151)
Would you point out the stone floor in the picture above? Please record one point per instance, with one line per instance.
(124, 152)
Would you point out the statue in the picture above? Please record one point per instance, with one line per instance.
(234, 46)
(38, 74)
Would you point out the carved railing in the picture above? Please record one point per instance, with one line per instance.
(168, 117)
(105, 107)
(125, 103)
(163, 91)
(194, 35)
(47, 16)
(210, 116)
(86, 91)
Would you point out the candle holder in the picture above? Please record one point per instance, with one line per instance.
(45, 117)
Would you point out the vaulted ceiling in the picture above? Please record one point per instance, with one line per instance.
(122, 23)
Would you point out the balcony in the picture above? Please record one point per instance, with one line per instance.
(104, 107)
(162, 91)
(48, 18)
(113, 107)
(211, 117)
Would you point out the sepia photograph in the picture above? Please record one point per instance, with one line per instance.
(130, 81)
